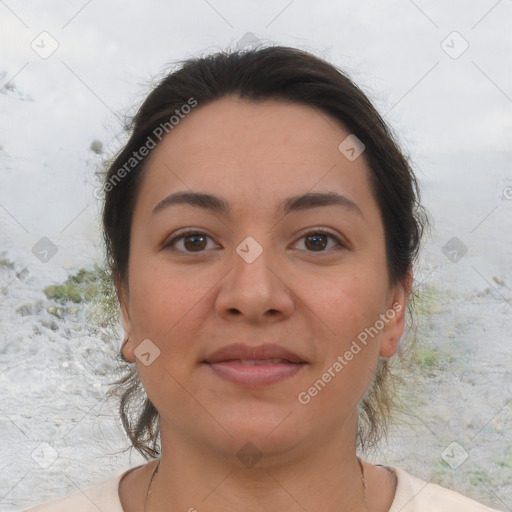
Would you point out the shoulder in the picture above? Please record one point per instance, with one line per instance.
(101, 496)
(416, 495)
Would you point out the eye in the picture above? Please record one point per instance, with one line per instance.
(317, 241)
(190, 241)
(196, 241)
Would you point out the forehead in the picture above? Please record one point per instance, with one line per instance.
(254, 153)
(240, 130)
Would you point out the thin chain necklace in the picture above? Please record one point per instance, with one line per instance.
(149, 486)
(363, 480)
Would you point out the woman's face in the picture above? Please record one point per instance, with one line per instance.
(288, 286)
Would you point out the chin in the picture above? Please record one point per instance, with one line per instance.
(272, 430)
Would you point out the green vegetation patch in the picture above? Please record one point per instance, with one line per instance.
(426, 357)
(80, 287)
(5, 263)
(89, 287)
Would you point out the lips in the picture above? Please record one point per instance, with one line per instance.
(261, 361)
(270, 353)
(254, 366)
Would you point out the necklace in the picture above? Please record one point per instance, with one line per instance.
(149, 486)
(363, 480)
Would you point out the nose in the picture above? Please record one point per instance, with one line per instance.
(255, 291)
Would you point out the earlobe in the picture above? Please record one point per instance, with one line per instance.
(123, 300)
(389, 347)
(392, 333)
(127, 349)
(390, 340)
(125, 317)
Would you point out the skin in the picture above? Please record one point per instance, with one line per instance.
(313, 302)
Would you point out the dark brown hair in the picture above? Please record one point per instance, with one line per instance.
(289, 75)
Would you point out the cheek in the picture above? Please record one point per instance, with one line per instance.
(350, 301)
(165, 298)
(350, 308)
(348, 352)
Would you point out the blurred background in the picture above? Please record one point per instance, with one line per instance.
(72, 72)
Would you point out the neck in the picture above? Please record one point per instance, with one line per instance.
(193, 479)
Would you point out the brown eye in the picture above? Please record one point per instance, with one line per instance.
(318, 241)
(190, 242)
(194, 242)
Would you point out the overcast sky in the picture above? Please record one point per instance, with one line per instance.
(390, 47)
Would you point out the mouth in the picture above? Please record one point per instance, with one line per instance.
(259, 362)
(255, 366)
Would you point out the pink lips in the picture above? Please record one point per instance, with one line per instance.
(255, 365)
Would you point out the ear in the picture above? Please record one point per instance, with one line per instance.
(395, 317)
(123, 296)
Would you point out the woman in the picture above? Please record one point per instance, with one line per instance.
(261, 225)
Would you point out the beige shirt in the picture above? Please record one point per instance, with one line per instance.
(412, 495)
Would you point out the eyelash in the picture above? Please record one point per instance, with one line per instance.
(190, 232)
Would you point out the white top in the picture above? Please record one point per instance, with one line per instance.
(412, 495)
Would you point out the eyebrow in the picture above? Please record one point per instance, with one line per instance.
(221, 206)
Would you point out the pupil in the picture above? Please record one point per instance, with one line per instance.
(194, 242)
(312, 241)
(319, 241)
